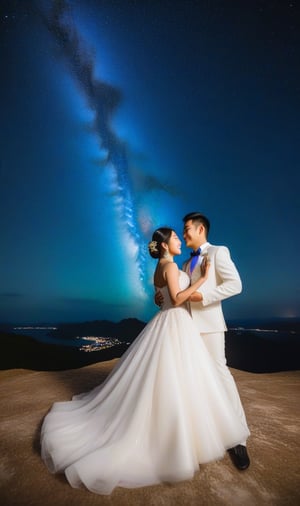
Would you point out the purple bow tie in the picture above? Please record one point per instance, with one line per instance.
(194, 255)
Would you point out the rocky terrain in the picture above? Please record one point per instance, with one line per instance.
(271, 403)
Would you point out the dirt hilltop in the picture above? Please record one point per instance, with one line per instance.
(271, 403)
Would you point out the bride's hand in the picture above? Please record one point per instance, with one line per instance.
(158, 298)
(205, 265)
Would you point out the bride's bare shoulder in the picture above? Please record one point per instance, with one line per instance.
(170, 269)
(160, 275)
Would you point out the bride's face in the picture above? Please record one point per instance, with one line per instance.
(174, 244)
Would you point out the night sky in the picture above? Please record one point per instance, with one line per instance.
(121, 116)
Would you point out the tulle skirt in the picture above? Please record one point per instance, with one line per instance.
(161, 412)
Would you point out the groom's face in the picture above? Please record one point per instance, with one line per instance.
(192, 234)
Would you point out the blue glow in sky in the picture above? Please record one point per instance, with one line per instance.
(121, 116)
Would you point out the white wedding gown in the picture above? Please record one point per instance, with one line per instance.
(160, 413)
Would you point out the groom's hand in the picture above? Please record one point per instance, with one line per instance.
(158, 298)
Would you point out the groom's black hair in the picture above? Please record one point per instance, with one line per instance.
(200, 218)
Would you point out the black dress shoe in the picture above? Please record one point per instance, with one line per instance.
(239, 457)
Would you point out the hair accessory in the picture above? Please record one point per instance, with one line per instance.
(153, 246)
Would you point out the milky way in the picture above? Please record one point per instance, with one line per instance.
(102, 99)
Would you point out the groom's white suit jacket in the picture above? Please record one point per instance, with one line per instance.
(223, 282)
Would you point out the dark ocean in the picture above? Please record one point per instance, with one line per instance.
(49, 336)
(286, 332)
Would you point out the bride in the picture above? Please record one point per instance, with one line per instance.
(160, 413)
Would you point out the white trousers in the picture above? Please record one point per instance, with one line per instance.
(215, 343)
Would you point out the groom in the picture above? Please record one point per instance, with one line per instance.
(205, 307)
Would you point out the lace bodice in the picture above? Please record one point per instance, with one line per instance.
(184, 282)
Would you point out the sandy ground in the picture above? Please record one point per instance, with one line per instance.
(271, 403)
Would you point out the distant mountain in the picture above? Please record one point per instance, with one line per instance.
(125, 330)
(249, 351)
(20, 351)
(245, 350)
(23, 352)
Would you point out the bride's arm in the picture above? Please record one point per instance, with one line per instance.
(178, 296)
(196, 297)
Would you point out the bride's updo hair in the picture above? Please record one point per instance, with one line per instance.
(160, 235)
